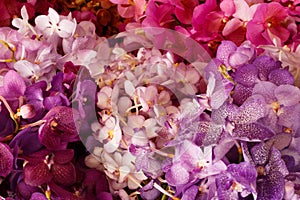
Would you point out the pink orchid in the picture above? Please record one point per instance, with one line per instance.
(130, 8)
(184, 10)
(205, 21)
(271, 17)
(159, 15)
(293, 7)
(235, 28)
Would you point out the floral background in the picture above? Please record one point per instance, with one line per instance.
(149, 99)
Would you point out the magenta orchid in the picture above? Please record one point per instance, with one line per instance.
(268, 17)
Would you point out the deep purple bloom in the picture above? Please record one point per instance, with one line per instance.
(6, 160)
(25, 191)
(96, 185)
(271, 170)
(35, 96)
(26, 141)
(263, 68)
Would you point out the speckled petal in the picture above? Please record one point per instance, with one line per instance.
(252, 131)
(224, 50)
(281, 77)
(190, 193)
(63, 174)
(241, 93)
(252, 110)
(260, 153)
(271, 187)
(244, 172)
(276, 164)
(247, 75)
(265, 65)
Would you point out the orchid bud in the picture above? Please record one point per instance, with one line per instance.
(27, 111)
(91, 161)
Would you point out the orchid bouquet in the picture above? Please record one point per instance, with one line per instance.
(149, 99)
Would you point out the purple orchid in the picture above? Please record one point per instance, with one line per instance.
(187, 165)
(263, 68)
(238, 178)
(6, 157)
(270, 168)
(281, 108)
(85, 98)
(149, 192)
(27, 191)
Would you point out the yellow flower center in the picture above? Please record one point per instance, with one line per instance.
(275, 106)
(201, 164)
(110, 134)
(287, 130)
(260, 170)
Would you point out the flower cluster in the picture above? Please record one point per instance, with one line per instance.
(147, 113)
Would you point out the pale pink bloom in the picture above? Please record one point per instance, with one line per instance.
(119, 167)
(187, 77)
(110, 134)
(23, 24)
(104, 98)
(52, 24)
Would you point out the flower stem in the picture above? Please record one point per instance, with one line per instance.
(162, 153)
(37, 123)
(12, 115)
(11, 49)
(240, 151)
(134, 180)
(162, 190)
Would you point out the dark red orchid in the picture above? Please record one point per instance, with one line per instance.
(59, 128)
(45, 166)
